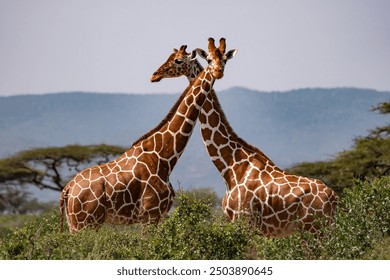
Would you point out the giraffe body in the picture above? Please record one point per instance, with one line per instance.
(135, 187)
(130, 189)
(277, 202)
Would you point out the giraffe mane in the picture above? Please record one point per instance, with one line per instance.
(222, 115)
(170, 114)
(231, 131)
(226, 122)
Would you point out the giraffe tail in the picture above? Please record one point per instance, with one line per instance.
(63, 200)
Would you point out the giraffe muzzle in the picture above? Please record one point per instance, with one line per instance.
(156, 77)
(218, 74)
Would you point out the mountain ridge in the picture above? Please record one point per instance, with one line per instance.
(288, 126)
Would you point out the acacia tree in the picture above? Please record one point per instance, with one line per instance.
(46, 168)
(368, 158)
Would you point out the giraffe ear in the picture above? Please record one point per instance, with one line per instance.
(231, 53)
(193, 55)
(175, 50)
(201, 53)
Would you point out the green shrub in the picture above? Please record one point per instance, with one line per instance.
(362, 220)
(380, 250)
(191, 232)
(196, 230)
(364, 217)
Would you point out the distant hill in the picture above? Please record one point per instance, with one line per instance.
(300, 125)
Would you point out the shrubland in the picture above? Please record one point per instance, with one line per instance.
(195, 229)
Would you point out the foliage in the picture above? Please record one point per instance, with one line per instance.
(9, 222)
(15, 199)
(380, 250)
(191, 232)
(43, 167)
(362, 220)
(206, 194)
(195, 230)
(46, 168)
(383, 108)
(368, 158)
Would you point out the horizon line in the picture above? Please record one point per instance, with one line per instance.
(175, 93)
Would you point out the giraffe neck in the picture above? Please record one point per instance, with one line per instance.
(195, 69)
(223, 145)
(170, 137)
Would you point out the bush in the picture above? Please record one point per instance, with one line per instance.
(196, 230)
(362, 220)
(41, 239)
(379, 251)
(191, 232)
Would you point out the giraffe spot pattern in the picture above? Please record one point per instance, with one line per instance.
(277, 202)
(135, 187)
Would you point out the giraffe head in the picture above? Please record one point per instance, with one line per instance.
(177, 64)
(217, 57)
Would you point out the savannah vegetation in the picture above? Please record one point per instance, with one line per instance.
(45, 168)
(197, 230)
(196, 227)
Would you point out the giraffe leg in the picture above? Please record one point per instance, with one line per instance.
(156, 201)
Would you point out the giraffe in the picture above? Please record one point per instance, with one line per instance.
(278, 203)
(135, 187)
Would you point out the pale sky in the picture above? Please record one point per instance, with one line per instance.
(51, 46)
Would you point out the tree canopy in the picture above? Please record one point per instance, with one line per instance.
(46, 168)
(368, 158)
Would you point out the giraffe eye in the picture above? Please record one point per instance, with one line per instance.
(178, 61)
(208, 61)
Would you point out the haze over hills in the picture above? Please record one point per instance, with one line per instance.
(290, 127)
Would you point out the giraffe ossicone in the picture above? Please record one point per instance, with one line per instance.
(275, 201)
(135, 187)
